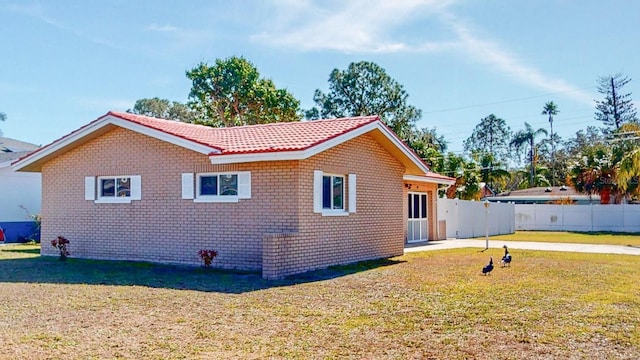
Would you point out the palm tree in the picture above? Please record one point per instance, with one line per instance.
(595, 172)
(527, 137)
(550, 109)
(540, 178)
(491, 171)
(627, 156)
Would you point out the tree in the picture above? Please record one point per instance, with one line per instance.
(232, 93)
(490, 136)
(467, 185)
(583, 139)
(555, 159)
(366, 89)
(594, 172)
(527, 137)
(425, 142)
(539, 179)
(627, 157)
(163, 109)
(491, 171)
(617, 107)
(550, 109)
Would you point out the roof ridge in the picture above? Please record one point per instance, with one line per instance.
(124, 115)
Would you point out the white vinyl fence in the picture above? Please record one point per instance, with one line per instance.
(467, 219)
(584, 218)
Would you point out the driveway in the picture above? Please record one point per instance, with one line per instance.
(544, 246)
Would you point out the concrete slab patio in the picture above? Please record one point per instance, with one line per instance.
(544, 246)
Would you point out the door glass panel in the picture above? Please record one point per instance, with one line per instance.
(409, 212)
(416, 206)
(423, 203)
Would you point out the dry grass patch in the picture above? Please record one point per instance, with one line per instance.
(626, 239)
(434, 304)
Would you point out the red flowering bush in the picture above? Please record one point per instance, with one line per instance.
(207, 256)
(61, 243)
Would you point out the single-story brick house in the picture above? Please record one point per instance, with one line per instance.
(282, 198)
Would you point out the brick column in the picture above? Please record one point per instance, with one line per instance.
(274, 255)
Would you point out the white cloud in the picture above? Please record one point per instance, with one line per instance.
(163, 28)
(366, 26)
(354, 26)
(183, 37)
(491, 53)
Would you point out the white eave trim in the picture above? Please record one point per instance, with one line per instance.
(427, 179)
(305, 154)
(106, 121)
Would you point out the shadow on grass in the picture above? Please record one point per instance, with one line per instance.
(51, 270)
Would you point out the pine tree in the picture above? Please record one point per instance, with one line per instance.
(617, 107)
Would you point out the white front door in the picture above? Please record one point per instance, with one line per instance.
(417, 228)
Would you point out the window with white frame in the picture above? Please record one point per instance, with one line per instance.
(113, 189)
(216, 187)
(334, 194)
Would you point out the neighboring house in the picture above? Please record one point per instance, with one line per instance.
(20, 193)
(546, 195)
(281, 198)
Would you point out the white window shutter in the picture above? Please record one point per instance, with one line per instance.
(352, 193)
(90, 188)
(317, 191)
(187, 186)
(136, 187)
(244, 185)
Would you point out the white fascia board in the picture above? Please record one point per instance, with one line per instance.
(304, 154)
(427, 179)
(253, 157)
(101, 123)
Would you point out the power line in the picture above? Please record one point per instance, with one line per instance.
(503, 101)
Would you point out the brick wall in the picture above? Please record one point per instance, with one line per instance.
(163, 227)
(374, 231)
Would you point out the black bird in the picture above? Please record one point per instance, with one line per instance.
(506, 259)
(487, 269)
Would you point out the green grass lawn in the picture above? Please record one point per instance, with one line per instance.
(433, 305)
(572, 237)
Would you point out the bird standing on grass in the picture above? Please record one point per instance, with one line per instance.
(487, 269)
(506, 259)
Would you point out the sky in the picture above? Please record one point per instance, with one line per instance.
(66, 63)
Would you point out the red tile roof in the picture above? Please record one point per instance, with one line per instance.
(290, 136)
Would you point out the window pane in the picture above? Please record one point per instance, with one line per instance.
(228, 184)
(416, 206)
(326, 192)
(209, 185)
(107, 187)
(338, 192)
(423, 200)
(124, 187)
(409, 212)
